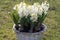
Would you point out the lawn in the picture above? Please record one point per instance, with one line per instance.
(52, 21)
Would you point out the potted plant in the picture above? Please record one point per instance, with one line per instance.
(28, 20)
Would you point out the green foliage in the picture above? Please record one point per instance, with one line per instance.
(41, 18)
(15, 17)
(25, 21)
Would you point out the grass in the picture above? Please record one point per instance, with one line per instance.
(52, 21)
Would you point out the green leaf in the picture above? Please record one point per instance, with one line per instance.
(15, 17)
(41, 18)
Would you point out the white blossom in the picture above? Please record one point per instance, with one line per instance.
(24, 9)
(34, 17)
(45, 6)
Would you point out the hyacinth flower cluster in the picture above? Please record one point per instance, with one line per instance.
(30, 16)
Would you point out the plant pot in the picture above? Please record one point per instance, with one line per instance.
(29, 36)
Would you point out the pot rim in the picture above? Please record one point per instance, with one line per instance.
(45, 27)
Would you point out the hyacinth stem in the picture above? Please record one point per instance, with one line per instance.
(38, 27)
(32, 26)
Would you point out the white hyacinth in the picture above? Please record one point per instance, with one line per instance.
(24, 9)
(34, 17)
(45, 6)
